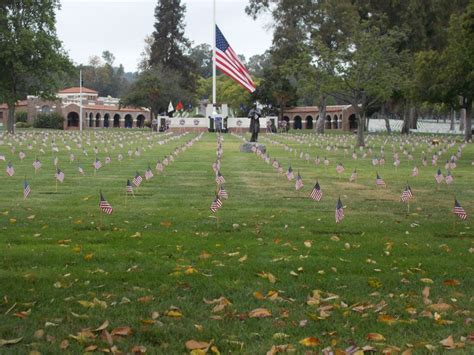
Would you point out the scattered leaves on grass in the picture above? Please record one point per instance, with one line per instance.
(451, 282)
(310, 341)
(375, 337)
(267, 275)
(4, 342)
(260, 313)
(122, 331)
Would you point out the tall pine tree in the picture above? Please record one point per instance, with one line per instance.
(170, 46)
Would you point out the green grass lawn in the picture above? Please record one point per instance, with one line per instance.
(382, 278)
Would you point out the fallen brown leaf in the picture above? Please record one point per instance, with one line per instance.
(260, 313)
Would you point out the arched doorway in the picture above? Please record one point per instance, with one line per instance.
(97, 120)
(73, 119)
(334, 122)
(128, 121)
(91, 120)
(339, 123)
(140, 121)
(106, 120)
(309, 122)
(116, 120)
(327, 125)
(297, 124)
(352, 121)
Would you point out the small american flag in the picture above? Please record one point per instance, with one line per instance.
(159, 166)
(216, 204)
(354, 155)
(289, 174)
(396, 163)
(316, 193)
(326, 161)
(2, 157)
(424, 161)
(81, 171)
(97, 164)
(219, 178)
(108, 160)
(55, 161)
(299, 182)
(449, 178)
(59, 175)
(379, 181)
(120, 157)
(339, 211)
(22, 155)
(137, 180)
(375, 161)
(37, 164)
(353, 176)
(223, 193)
(10, 171)
(439, 177)
(26, 190)
(104, 206)
(317, 161)
(339, 168)
(129, 188)
(148, 173)
(415, 171)
(459, 211)
(406, 194)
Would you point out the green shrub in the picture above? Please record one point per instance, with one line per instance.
(21, 116)
(147, 124)
(22, 125)
(49, 120)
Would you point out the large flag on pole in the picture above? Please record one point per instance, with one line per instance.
(229, 63)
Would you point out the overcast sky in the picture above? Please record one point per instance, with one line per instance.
(88, 27)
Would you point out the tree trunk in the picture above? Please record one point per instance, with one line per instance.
(360, 129)
(413, 118)
(406, 125)
(468, 122)
(322, 116)
(462, 119)
(451, 123)
(11, 119)
(386, 119)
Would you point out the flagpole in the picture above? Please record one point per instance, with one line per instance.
(80, 100)
(214, 55)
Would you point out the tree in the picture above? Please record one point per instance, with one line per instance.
(447, 76)
(169, 46)
(155, 88)
(201, 55)
(32, 60)
(258, 63)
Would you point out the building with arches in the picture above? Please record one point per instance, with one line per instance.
(338, 117)
(97, 112)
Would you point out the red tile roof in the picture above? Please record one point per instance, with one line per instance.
(18, 104)
(112, 108)
(77, 90)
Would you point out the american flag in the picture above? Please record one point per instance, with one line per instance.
(10, 171)
(119, 157)
(26, 190)
(129, 188)
(299, 182)
(229, 63)
(55, 161)
(317, 161)
(406, 194)
(449, 178)
(316, 193)
(339, 211)
(289, 173)
(159, 166)
(81, 171)
(354, 155)
(97, 164)
(379, 181)
(59, 175)
(148, 173)
(275, 163)
(439, 176)
(104, 206)
(459, 211)
(375, 161)
(222, 192)
(37, 164)
(339, 168)
(326, 161)
(2, 157)
(71, 157)
(216, 204)
(22, 155)
(108, 160)
(219, 178)
(137, 180)
(353, 176)
(415, 171)
(424, 161)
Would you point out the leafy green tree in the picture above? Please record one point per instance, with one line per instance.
(447, 76)
(32, 60)
(201, 55)
(258, 63)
